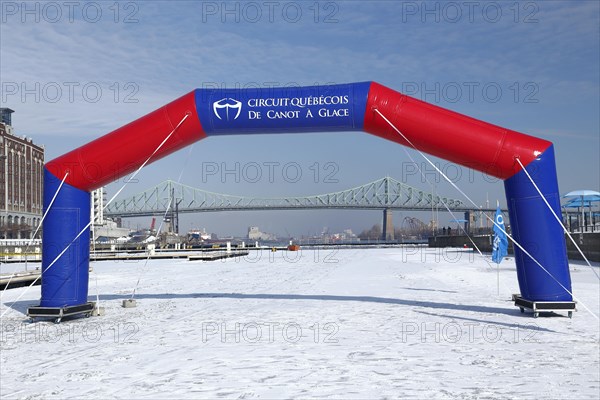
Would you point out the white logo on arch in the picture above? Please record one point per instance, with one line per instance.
(221, 108)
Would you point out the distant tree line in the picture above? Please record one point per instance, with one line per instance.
(410, 227)
(371, 234)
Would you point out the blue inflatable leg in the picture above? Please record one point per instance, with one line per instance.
(536, 229)
(65, 283)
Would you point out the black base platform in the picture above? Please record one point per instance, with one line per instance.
(58, 313)
(544, 306)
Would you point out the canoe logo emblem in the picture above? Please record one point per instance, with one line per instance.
(222, 108)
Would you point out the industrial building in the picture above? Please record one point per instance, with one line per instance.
(102, 228)
(21, 181)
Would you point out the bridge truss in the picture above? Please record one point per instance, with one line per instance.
(382, 194)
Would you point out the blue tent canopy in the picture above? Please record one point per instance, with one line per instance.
(582, 193)
(587, 202)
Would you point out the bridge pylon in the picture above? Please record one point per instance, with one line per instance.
(388, 225)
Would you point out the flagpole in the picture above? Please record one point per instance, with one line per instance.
(498, 278)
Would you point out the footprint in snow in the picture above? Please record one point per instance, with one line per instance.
(359, 354)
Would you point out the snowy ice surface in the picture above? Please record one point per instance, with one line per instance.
(356, 323)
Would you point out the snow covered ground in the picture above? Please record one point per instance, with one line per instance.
(395, 323)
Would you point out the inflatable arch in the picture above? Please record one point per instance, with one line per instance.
(348, 107)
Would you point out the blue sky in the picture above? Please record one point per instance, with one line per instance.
(530, 66)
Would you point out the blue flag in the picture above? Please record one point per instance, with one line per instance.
(500, 240)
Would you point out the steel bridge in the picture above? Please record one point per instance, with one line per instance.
(385, 194)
